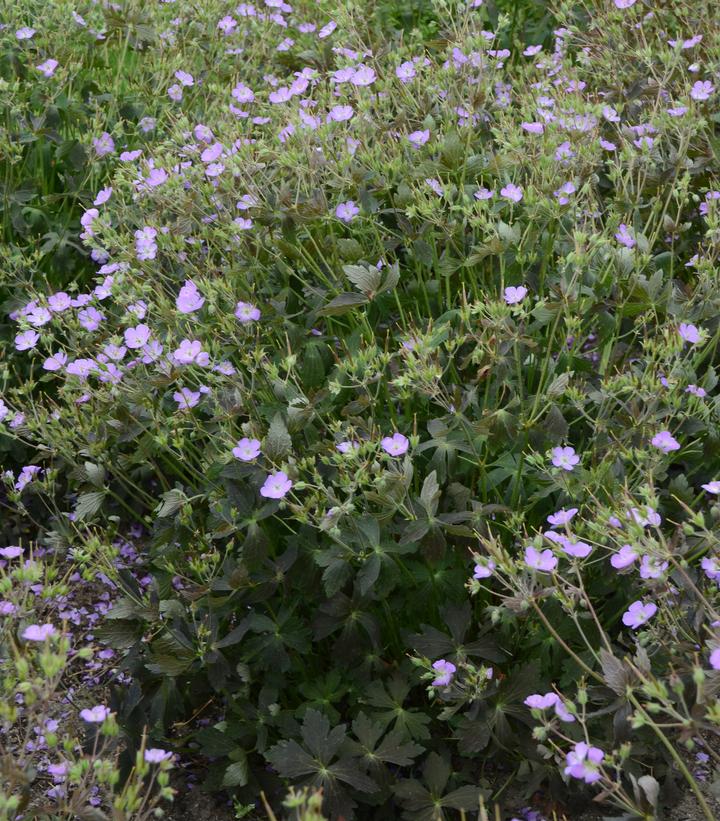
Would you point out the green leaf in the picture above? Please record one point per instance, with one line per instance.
(343, 303)
(236, 775)
(172, 501)
(364, 277)
(88, 504)
(278, 443)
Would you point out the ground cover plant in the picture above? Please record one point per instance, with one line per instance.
(383, 341)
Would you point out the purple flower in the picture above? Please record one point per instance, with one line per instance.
(137, 337)
(247, 450)
(189, 299)
(340, 113)
(184, 78)
(583, 761)
(575, 548)
(712, 487)
(625, 4)
(104, 144)
(246, 312)
(445, 671)
(533, 128)
(702, 90)
(512, 192)
(145, 246)
(347, 211)
(624, 237)
(665, 442)
(26, 340)
(564, 458)
(155, 755)
(484, 194)
(515, 294)
(405, 71)
(190, 352)
(96, 714)
(562, 517)
(538, 702)
(103, 196)
(638, 613)
(363, 76)
(186, 398)
(48, 67)
(91, 318)
(55, 362)
(395, 445)
(59, 302)
(624, 557)
(347, 447)
(715, 659)
(11, 552)
(25, 33)
(652, 568)
(175, 93)
(544, 561)
(484, 569)
(418, 138)
(39, 632)
(276, 486)
(689, 333)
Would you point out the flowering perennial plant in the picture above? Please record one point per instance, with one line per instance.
(400, 353)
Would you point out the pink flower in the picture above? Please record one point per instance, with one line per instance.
(515, 294)
(564, 458)
(246, 312)
(689, 333)
(155, 755)
(347, 211)
(702, 90)
(665, 442)
(418, 138)
(484, 569)
(562, 517)
(277, 485)
(624, 557)
(583, 761)
(624, 237)
(96, 714)
(484, 194)
(39, 632)
(48, 67)
(544, 561)
(247, 450)
(395, 445)
(26, 340)
(512, 192)
(445, 671)
(184, 78)
(638, 613)
(186, 398)
(189, 299)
